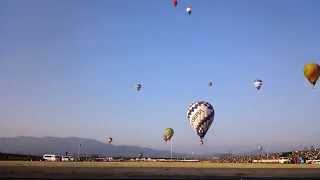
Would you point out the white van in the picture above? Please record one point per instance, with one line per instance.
(284, 160)
(50, 157)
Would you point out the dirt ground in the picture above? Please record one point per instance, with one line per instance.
(159, 170)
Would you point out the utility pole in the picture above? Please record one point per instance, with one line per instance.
(79, 152)
(171, 149)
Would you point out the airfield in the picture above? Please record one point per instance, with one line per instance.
(159, 170)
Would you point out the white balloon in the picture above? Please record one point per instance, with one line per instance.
(189, 10)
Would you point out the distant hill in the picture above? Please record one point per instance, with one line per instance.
(42, 145)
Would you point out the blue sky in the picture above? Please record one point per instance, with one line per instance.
(69, 68)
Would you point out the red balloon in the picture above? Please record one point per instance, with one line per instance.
(175, 3)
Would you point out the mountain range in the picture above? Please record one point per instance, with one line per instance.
(73, 145)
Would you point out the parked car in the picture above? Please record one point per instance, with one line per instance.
(67, 158)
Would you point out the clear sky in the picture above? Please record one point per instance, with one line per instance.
(69, 68)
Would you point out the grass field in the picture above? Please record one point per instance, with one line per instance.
(151, 165)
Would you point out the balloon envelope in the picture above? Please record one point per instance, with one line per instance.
(138, 87)
(312, 73)
(189, 10)
(110, 140)
(168, 133)
(258, 83)
(200, 115)
(175, 3)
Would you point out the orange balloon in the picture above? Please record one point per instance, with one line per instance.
(312, 72)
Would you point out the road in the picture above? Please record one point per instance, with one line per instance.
(124, 170)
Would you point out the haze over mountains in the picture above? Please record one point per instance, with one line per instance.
(60, 145)
(57, 145)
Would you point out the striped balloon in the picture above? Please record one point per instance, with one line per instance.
(200, 115)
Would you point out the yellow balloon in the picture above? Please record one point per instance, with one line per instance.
(312, 72)
(168, 133)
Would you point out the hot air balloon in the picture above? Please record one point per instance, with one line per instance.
(110, 140)
(257, 83)
(189, 10)
(210, 83)
(167, 135)
(200, 115)
(175, 3)
(138, 87)
(312, 73)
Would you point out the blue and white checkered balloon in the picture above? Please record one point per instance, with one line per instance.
(200, 115)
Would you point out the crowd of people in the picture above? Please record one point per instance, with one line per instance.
(247, 158)
(301, 156)
(306, 154)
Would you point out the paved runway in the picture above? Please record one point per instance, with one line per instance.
(155, 173)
